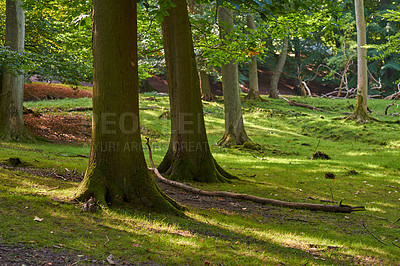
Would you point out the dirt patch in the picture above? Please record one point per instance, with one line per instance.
(42, 91)
(25, 255)
(73, 129)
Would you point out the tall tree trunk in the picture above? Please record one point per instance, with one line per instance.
(360, 113)
(235, 133)
(299, 88)
(12, 89)
(117, 172)
(188, 156)
(254, 92)
(273, 87)
(206, 94)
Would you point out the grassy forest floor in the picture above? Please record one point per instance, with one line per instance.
(36, 227)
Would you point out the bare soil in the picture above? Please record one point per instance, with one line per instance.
(68, 129)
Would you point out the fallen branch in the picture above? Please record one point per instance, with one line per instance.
(292, 103)
(309, 206)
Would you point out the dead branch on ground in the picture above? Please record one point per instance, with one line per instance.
(309, 206)
(293, 103)
(395, 95)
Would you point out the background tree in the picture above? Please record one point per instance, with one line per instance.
(235, 133)
(188, 156)
(273, 87)
(12, 89)
(254, 92)
(361, 112)
(117, 170)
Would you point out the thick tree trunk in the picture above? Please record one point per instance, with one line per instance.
(235, 133)
(273, 87)
(254, 93)
(117, 172)
(361, 113)
(12, 89)
(188, 156)
(206, 94)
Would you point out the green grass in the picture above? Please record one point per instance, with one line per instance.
(289, 136)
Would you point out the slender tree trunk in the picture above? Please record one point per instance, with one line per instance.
(12, 89)
(188, 156)
(299, 89)
(117, 172)
(360, 112)
(254, 92)
(206, 94)
(235, 133)
(273, 93)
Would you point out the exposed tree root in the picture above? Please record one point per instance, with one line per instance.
(255, 96)
(229, 140)
(309, 206)
(361, 118)
(207, 97)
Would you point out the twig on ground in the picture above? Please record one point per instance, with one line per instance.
(395, 245)
(319, 141)
(255, 156)
(380, 218)
(108, 240)
(79, 261)
(373, 234)
(332, 195)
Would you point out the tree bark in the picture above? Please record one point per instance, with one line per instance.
(12, 89)
(235, 133)
(361, 113)
(188, 156)
(273, 87)
(117, 172)
(254, 93)
(206, 94)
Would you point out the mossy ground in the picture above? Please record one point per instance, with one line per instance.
(365, 161)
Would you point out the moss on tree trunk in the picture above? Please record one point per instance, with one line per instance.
(117, 172)
(188, 156)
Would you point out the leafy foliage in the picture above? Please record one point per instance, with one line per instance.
(57, 42)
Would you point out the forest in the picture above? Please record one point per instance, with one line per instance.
(172, 132)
